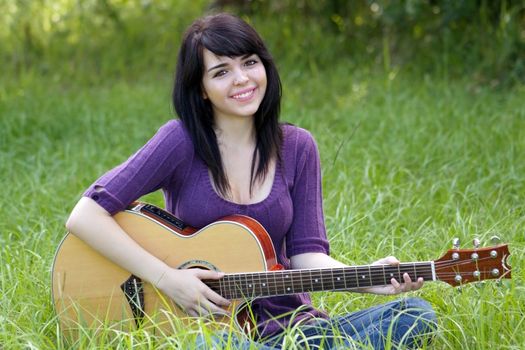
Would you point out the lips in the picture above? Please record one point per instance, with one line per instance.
(244, 94)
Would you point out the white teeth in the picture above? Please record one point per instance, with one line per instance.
(244, 95)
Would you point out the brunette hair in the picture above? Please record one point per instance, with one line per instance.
(225, 35)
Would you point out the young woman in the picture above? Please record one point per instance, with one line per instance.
(226, 155)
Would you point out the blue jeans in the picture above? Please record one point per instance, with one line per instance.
(405, 323)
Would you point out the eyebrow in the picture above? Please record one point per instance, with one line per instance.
(220, 65)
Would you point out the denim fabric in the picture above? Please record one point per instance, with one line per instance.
(406, 323)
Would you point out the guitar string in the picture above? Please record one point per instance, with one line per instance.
(448, 263)
(356, 270)
(329, 281)
(345, 274)
(348, 278)
(251, 277)
(366, 268)
(298, 275)
(374, 277)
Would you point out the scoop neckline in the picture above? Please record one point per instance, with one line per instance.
(275, 182)
(277, 179)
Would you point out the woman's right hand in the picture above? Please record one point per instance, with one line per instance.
(186, 288)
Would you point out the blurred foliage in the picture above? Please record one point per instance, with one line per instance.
(482, 38)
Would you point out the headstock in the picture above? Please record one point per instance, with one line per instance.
(460, 266)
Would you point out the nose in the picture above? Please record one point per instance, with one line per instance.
(240, 77)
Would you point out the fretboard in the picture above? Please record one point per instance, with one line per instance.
(273, 283)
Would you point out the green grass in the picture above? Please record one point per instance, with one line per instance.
(409, 162)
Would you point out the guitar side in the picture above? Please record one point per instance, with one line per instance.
(87, 286)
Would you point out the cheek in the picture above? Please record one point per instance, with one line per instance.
(262, 79)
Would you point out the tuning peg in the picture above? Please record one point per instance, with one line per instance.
(476, 242)
(495, 240)
(455, 243)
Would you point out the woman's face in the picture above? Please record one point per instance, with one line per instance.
(235, 86)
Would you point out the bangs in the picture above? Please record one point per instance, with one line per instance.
(232, 39)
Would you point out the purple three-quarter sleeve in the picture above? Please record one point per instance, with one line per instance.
(149, 169)
(307, 233)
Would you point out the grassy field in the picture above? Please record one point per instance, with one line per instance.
(409, 162)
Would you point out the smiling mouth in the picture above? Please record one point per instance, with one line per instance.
(244, 95)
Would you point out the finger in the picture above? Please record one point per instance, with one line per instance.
(216, 298)
(206, 307)
(395, 284)
(419, 283)
(212, 308)
(208, 274)
(392, 260)
(192, 313)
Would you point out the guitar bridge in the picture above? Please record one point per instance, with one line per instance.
(133, 289)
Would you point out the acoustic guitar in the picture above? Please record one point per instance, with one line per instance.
(91, 291)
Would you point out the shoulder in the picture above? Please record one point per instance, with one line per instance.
(170, 143)
(174, 127)
(299, 152)
(174, 134)
(297, 140)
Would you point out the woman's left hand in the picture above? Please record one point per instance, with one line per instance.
(395, 287)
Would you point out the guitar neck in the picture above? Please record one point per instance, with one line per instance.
(273, 283)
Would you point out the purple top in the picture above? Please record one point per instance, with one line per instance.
(292, 213)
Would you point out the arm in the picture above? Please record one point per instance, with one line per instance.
(94, 225)
(321, 260)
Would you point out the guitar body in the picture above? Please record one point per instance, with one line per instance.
(90, 290)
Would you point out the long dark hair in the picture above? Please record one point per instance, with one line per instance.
(225, 35)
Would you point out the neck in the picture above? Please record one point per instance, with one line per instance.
(257, 284)
(238, 131)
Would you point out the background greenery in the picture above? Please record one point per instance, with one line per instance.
(417, 107)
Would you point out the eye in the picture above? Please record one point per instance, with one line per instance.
(251, 62)
(220, 73)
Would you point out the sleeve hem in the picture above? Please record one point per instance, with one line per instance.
(106, 200)
(309, 249)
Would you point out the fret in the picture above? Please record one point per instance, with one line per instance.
(289, 282)
(266, 284)
(260, 284)
(389, 273)
(281, 285)
(248, 285)
(233, 287)
(350, 276)
(415, 272)
(362, 272)
(317, 281)
(384, 275)
(228, 287)
(220, 288)
(275, 290)
(299, 273)
(242, 285)
(370, 276)
(339, 279)
(238, 286)
(356, 278)
(378, 275)
(330, 278)
(256, 280)
(310, 286)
